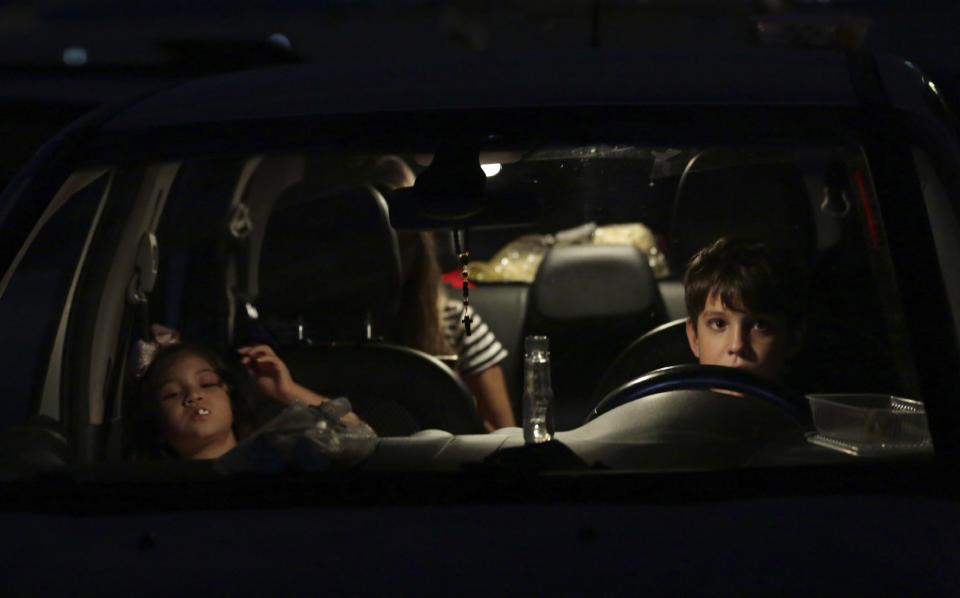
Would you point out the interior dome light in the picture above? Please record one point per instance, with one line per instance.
(491, 169)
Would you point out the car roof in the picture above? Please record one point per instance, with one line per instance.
(754, 76)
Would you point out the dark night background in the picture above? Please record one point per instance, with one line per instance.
(60, 59)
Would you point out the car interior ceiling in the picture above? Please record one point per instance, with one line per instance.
(312, 213)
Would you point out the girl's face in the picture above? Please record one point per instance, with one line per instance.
(195, 409)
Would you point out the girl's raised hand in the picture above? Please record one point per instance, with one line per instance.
(269, 372)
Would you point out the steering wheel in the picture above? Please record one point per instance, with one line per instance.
(687, 377)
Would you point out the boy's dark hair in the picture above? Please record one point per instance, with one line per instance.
(145, 425)
(747, 275)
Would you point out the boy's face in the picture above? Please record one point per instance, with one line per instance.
(758, 343)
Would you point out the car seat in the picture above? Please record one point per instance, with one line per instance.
(846, 345)
(329, 270)
(724, 193)
(503, 306)
(591, 301)
(717, 196)
(331, 260)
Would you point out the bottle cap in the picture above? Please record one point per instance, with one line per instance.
(535, 342)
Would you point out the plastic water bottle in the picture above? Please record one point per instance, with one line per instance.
(537, 391)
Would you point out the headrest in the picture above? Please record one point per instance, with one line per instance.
(329, 257)
(593, 281)
(716, 198)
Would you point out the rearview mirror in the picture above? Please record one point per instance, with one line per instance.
(411, 211)
(452, 193)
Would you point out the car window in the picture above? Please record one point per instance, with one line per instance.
(35, 296)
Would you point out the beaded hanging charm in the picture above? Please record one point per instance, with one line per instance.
(463, 255)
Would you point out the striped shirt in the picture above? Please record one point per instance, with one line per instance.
(477, 352)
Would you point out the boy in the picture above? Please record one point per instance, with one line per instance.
(745, 305)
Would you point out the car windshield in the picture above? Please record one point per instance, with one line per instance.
(699, 306)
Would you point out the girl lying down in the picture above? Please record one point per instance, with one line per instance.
(193, 404)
